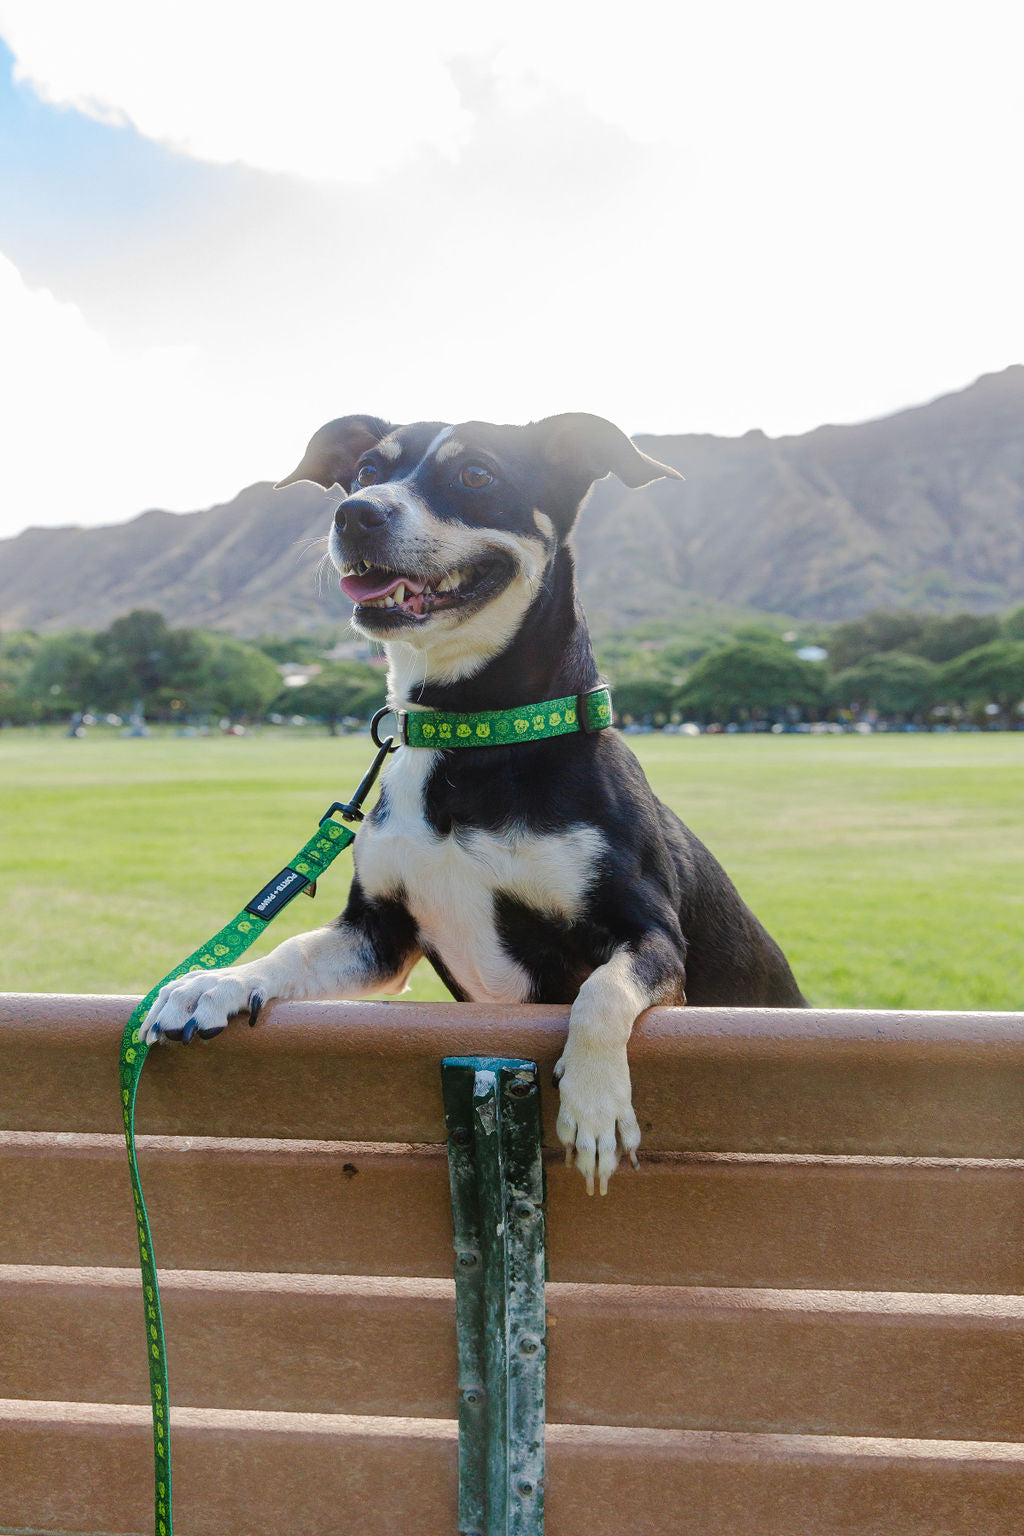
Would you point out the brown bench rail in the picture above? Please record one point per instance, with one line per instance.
(804, 1316)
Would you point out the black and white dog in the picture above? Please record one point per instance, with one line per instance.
(541, 871)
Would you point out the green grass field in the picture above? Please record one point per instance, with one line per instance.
(889, 868)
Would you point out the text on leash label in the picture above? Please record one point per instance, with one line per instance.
(277, 893)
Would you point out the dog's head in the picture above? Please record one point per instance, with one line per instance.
(442, 525)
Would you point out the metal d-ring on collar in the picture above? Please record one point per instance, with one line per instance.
(401, 718)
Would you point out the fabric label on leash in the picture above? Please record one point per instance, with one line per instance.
(277, 894)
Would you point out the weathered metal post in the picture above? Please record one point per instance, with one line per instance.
(492, 1110)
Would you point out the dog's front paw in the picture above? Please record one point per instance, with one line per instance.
(595, 1104)
(201, 1004)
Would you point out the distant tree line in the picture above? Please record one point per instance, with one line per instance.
(897, 667)
(175, 675)
(904, 668)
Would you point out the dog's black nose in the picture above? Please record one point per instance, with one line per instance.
(353, 514)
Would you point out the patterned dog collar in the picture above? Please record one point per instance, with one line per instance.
(586, 712)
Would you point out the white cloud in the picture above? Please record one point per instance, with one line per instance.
(92, 432)
(318, 90)
(337, 91)
(698, 219)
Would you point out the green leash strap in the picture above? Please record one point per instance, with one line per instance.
(223, 949)
(586, 712)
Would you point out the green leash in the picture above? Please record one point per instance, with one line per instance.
(584, 712)
(225, 947)
(300, 874)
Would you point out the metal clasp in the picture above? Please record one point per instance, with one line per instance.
(582, 717)
(350, 809)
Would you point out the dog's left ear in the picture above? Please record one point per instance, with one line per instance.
(588, 447)
(332, 452)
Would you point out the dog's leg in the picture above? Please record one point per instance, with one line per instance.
(347, 959)
(593, 1072)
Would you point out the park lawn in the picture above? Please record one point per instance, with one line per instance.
(889, 867)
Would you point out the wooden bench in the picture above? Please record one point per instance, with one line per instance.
(802, 1317)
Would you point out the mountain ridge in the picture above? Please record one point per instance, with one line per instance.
(923, 508)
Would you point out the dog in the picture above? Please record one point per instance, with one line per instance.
(538, 871)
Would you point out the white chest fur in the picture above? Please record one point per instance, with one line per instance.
(450, 882)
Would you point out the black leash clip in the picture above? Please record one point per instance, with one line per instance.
(350, 810)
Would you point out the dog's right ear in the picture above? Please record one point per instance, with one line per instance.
(588, 447)
(332, 452)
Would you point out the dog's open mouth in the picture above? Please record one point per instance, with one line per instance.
(384, 593)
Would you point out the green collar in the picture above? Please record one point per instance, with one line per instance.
(586, 712)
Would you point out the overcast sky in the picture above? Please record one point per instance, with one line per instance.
(221, 226)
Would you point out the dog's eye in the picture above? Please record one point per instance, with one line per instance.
(476, 477)
(366, 474)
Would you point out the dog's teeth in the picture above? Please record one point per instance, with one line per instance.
(389, 602)
(447, 584)
(399, 594)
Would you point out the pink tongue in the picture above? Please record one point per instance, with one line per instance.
(378, 584)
